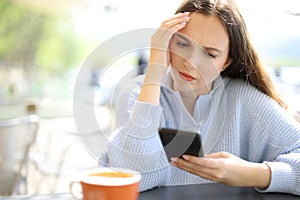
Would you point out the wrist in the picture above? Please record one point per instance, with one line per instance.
(260, 175)
(159, 57)
(150, 91)
(155, 73)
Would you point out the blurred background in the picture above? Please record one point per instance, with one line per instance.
(43, 44)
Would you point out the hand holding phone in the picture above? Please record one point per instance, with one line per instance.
(177, 143)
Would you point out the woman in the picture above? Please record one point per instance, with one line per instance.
(205, 76)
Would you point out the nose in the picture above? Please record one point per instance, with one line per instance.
(191, 60)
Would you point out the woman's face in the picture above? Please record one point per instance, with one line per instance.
(198, 53)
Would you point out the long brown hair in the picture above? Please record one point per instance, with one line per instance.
(246, 64)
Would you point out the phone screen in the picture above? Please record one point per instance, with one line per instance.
(177, 143)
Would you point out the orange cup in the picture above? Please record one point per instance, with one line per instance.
(107, 184)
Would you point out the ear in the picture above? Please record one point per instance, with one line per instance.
(227, 63)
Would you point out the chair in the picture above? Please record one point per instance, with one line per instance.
(59, 155)
(17, 135)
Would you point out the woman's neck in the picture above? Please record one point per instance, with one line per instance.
(190, 98)
(189, 101)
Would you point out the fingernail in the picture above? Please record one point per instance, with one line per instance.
(173, 159)
(185, 157)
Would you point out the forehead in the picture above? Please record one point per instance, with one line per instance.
(206, 30)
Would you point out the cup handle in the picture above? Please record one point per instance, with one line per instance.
(77, 194)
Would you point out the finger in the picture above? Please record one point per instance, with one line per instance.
(174, 23)
(194, 163)
(164, 35)
(168, 33)
(178, 15)
(204, 172)
(201, 161)
(167, 30)
(171, 23)
(171, 31)
(219, 155)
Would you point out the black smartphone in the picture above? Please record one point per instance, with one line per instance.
(178, 142)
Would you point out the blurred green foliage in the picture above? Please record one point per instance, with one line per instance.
(32, 39)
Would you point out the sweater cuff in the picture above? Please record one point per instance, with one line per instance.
(144, 120)
(282, 178)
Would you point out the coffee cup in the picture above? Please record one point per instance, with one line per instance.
(107, 184)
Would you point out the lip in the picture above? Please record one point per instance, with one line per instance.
(186, 77)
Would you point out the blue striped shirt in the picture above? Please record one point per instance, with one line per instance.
(234, 117)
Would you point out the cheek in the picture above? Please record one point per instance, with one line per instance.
(176, 61)
(207, 70)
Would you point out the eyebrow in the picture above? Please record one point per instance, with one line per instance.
(182, 37)
(213, 49)
(207, 48)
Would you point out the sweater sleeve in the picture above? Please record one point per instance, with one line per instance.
(275, 140)
(285, 167)
(136, 144)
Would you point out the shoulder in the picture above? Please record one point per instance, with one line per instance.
(239, 85)
(248, 96)
(242, 90)
(251, 100)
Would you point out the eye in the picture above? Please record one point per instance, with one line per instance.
(183, 44)
(208, 54)
(211, 55)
